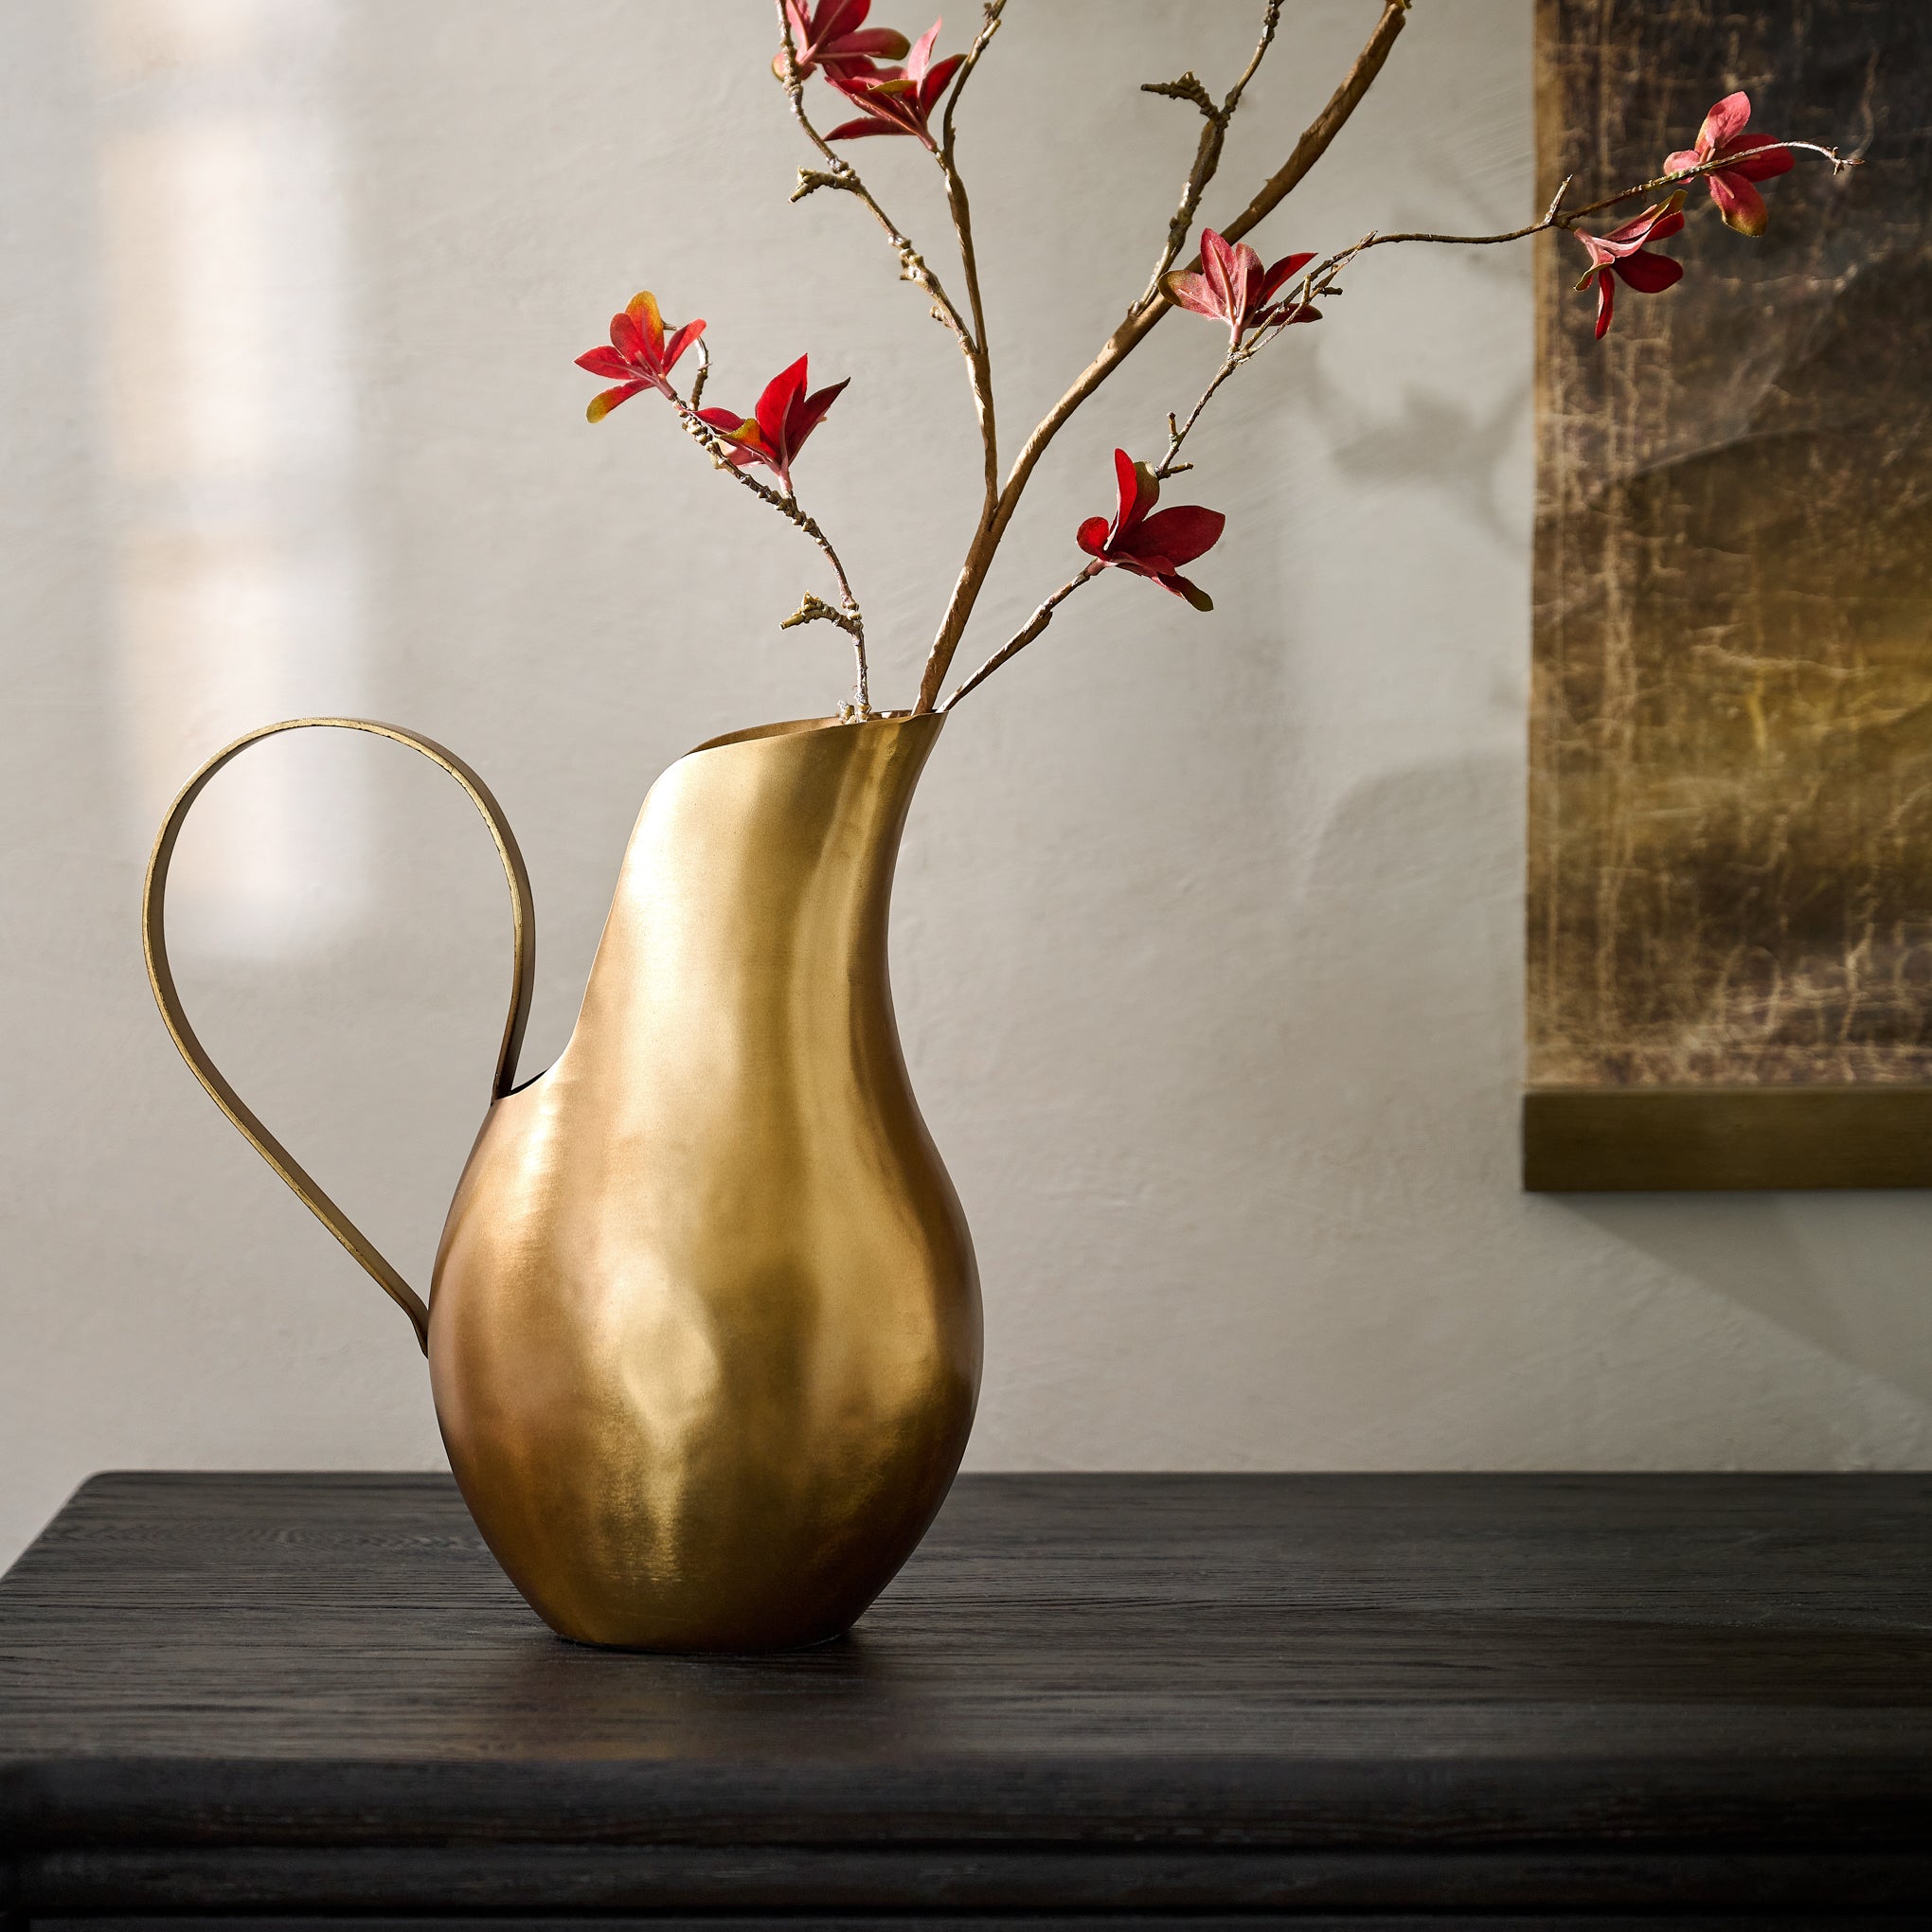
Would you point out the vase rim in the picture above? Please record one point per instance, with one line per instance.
(793, 727)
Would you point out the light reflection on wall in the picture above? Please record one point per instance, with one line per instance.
(230, 433)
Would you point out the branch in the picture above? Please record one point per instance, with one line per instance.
(813, 610)
(989, 26)
(1187, 88)
(1035, 625)
(1319, 278)
(849, 619)
(1208, 155)
(1715, 166)
(978, 350)
(1320, 131)
(1314, 143)
(811, 179)
(1170, 465)
(843, 175)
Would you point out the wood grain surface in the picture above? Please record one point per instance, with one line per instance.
(1290, 1694)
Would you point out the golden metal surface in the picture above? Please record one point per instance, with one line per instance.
(161, 977)
(705, 1328)
(704, 1332)
(1730, 768)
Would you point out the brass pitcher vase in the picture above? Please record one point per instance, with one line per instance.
(704, 1331)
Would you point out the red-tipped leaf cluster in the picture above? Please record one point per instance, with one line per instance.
(776, 432)
(896, 102)
(1152, 546)
(641, 355)
(1623, 254)
(834, 36)
(1759, 158)
(1233, 287)
(1230, 286)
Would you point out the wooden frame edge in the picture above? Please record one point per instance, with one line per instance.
(1685, 1139)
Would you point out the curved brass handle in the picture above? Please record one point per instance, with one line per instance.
(153, 939)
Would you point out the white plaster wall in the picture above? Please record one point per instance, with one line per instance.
(1209, 928)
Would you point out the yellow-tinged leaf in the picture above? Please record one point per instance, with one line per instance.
(642, 308)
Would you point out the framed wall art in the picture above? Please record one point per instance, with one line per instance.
(1729, 975)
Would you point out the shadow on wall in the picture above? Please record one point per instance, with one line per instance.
(1382, 1060)
(1427, 439)
(1845, 1272)
(1417, 871)
(1424, 1054)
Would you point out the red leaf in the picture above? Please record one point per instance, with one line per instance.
(1740, 205)
(775, 405)
(1651, 275)
(627, 338)
(935, 84)
(851, 131)
(1179, 534)
(1761, 157)
(875, 40)
(680, 342)
(605, 362)
(1288, 266)
(1724, 123)
(811, 412)
(1192, 292)
(601, 405)
(922, 52)
(1127, 479)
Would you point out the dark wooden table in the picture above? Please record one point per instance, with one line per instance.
(1357, 1701)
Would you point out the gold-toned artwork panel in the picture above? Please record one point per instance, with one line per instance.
(1730, 843)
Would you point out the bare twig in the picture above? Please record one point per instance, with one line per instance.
(978, 350)
(1716, 165)
(1035, 625)
(912, 265)
(1314, 143)
(839, 173)
(1557, 215)
(811, 179)
(989, 26)
(1213, 136)
(850, 618)
(1187, 88)
(815, 610)
(1321, 280)
(1170, 465)
(1320, 131)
